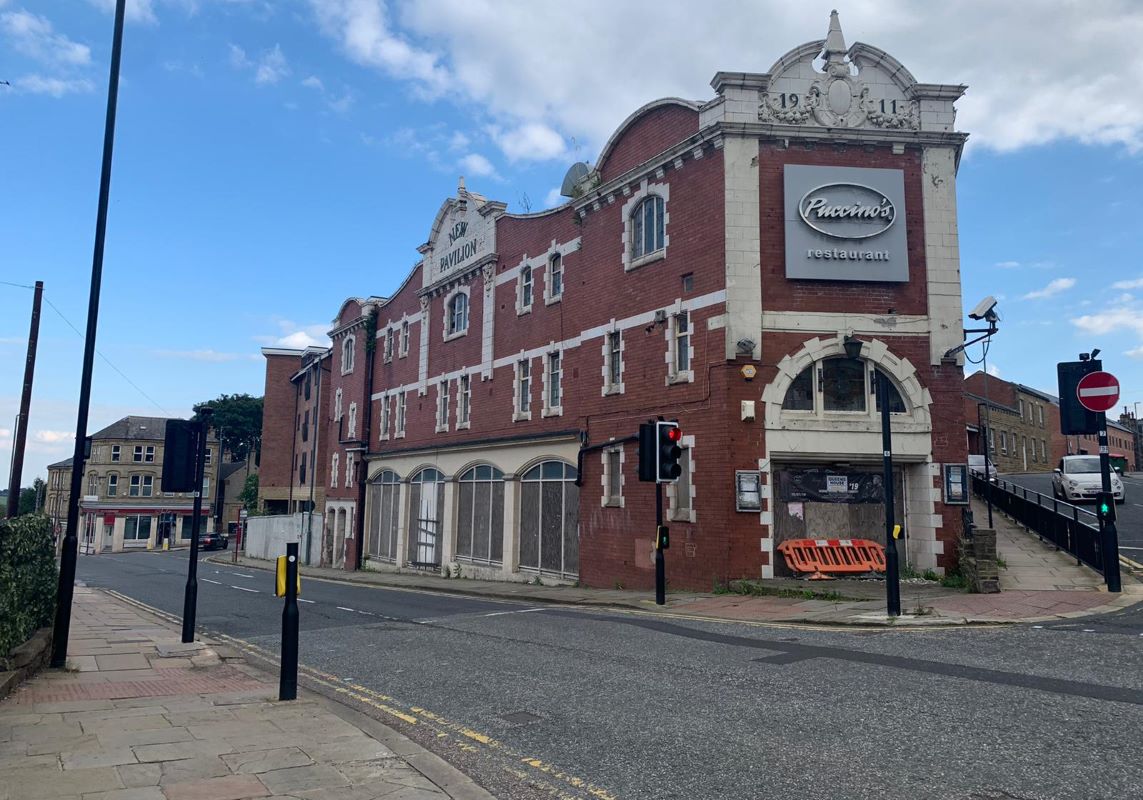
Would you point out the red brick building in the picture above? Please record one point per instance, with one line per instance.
(709, 268)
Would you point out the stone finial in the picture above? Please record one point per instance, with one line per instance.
(460, 190)
(835, 43)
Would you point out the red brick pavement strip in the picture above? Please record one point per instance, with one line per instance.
(172, 682)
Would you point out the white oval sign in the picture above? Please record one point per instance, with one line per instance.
(847, 210)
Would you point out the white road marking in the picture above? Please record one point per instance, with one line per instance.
(522, 611)
(1089, 630)
(343, 608)
(243, 589)
(1123, 547)
(300, 600)
(1037, 627)
(208, 580)
(367, 613)
(239, 574)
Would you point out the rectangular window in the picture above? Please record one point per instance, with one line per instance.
(842, 384)
(555, 373)
(401, 414)
(385, 411)
(682, 356)
(138, 528)
(614, 477)
(136, 483)
(114, 454)
(524, 386)
(205, 487)
(93, 485)
(1021, 404)
(679, 494)
(137, 455)
(442, 406)
(555, 277)
(525, 288)
(149, 485)
(404, 338)
(149, 454)
(207, 457)
(1004, 443)
(302, 470)
(1040, 414)
(463, 399)
(614, 360)
(306, 426)
(112, 485)
(388, 345)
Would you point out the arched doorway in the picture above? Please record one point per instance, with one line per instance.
(426, 509)
(549, 519)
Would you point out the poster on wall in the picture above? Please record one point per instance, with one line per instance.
(830, 486)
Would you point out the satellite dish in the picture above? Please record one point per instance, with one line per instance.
(577, 173)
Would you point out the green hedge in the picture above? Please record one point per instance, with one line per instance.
(28, 579)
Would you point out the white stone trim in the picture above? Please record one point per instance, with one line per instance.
(549, 410)
(423, 360)
(609, 388)
(673, 375)
(942, 251)
(519, 414)
(645, 190)
(334, 469)
(487, 321)
(348, 353)
(674, 513)
(447, 316)
(467, 423)
(337, 404)
(640, 320)
(386, 414)
(606, 500)
(353, 420)
(442, 406)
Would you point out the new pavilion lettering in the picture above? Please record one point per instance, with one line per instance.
(466, 250)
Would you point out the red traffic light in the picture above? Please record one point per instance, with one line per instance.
(674, 434)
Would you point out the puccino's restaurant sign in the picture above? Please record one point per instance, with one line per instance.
(845, 224)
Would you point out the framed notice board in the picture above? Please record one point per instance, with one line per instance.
(956, 484)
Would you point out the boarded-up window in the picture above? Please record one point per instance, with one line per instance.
(549, 519)
(385, 510)
(480, 515)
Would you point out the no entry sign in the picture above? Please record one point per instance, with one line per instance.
(1098, 391)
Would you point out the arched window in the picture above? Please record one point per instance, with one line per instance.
(649, 223)
(480, 515)
(549, 519)
(839, 385)
(458, 314)
(426, 509)
(337, 405)
(384, 512)
(333, 469)
(555, 285)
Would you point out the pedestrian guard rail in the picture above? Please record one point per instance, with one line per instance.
(821, 558)
(1068, 527)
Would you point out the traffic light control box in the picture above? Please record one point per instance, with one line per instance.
(1074, 418)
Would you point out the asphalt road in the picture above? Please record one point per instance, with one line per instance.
(541, 701)
(1129, 520)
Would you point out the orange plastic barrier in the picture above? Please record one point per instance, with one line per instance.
(837, 556)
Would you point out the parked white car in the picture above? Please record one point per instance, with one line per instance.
(1077, 478)
(976, 467)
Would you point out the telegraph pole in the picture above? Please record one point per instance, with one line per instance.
(25, 402)
(67, 562)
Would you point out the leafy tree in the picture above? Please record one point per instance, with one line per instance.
(32, 496)
(249, 496)
(237, 420)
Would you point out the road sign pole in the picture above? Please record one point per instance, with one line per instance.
(1109, 535)
(288, 677)
(660, 561)
(190, 594)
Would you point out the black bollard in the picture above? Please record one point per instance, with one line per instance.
(288, 681)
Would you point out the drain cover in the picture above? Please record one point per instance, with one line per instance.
(520, 718)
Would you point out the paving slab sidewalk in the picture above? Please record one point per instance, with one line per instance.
(924, 603)
(140, 716)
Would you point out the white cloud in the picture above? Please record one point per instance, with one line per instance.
(1053, 288)
(1136, 283)
(1008, 264)
(34, 37)
(272, 66)
(511, 58)
(532, 141)
(1125, 298)
(297, 336)
(314, 82)
(1121, 318)
(1136, 353)
(477, 165)
(5, 433)
(554, 198)
(362, 29)
(136, 10)
(53, 437)
(994, 370)
(56, 87)
(458, 141)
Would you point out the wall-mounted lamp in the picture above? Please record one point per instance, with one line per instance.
(852, 347)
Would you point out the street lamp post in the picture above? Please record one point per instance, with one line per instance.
(853, 347)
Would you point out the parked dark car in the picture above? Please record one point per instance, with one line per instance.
(213, 541)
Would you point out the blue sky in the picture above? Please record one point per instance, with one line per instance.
(273, 158)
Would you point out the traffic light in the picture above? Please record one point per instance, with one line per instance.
(668, 452)
(647, 452)
(663, 538)
(1105, 507)
(1074, 418)
(180, 449)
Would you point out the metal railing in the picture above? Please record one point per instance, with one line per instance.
(1064, 525)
